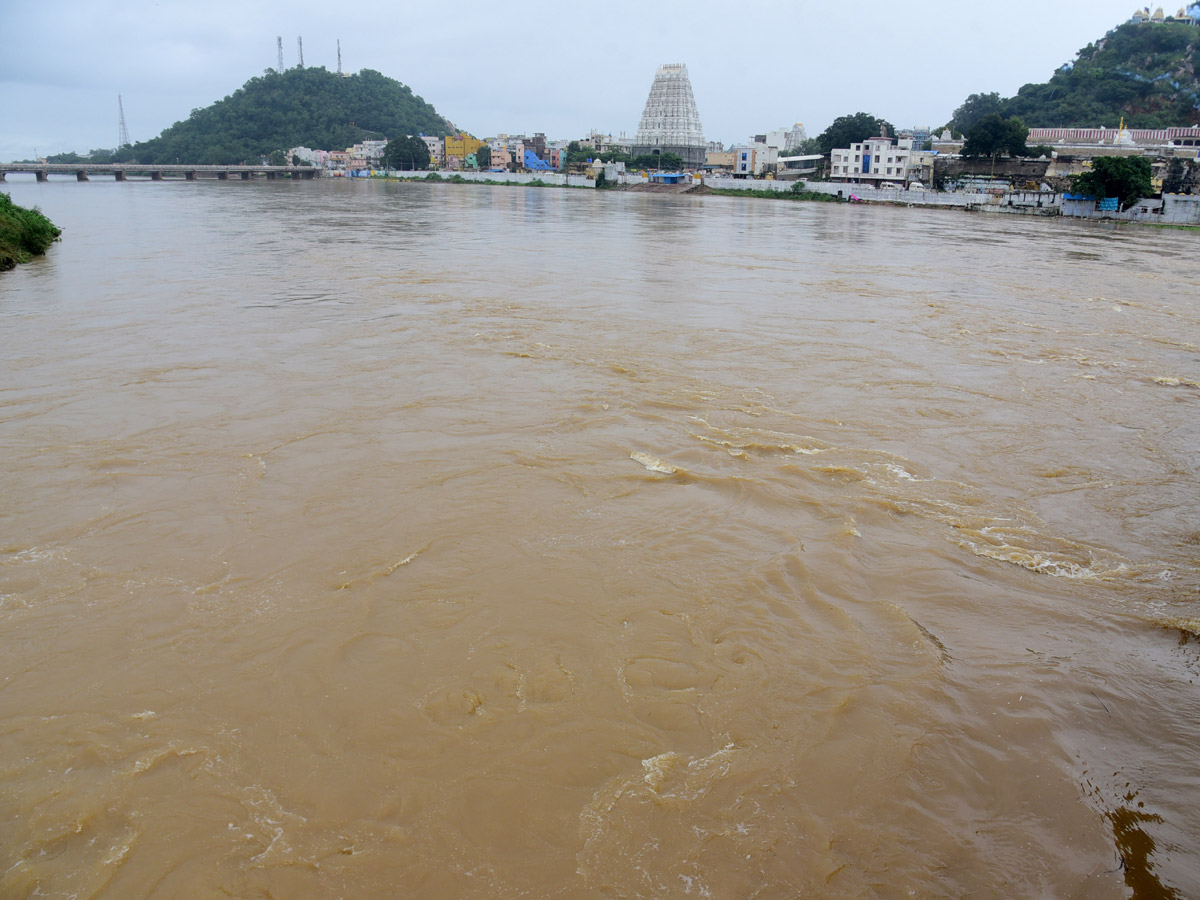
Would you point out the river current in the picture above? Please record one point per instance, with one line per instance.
(375, 540)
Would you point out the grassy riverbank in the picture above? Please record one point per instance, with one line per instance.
(24, 233)
(811, 196)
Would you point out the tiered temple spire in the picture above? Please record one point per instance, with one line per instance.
(670, 122)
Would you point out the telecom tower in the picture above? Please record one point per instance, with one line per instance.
(339, 40)
(300, 50)
(670, 122)
(279, 47)
(123, 139)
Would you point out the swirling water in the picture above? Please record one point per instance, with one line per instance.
(376, 540)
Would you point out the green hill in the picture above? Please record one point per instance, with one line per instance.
(308, 107)
(1146, 73)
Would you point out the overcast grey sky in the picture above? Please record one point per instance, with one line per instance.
(560, 68)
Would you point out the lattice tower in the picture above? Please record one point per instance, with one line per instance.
(670, 118)
(300, 50)
(339, 56)
(279, 46)
(123, 139)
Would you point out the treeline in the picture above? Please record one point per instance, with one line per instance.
(24, 233)
(1144, 73)
(308, 107)
(666, 161)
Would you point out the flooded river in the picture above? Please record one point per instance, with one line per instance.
(377, 540)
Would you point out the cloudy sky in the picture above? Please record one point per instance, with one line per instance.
(560, 68)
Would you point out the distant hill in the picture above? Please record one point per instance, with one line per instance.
(308, 107)
(1146, 73)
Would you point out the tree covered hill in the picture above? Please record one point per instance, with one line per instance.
(1147, 73)
(308, 107)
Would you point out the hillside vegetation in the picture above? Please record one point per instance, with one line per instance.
(24, 233)
(308, 107)
(1146, 73)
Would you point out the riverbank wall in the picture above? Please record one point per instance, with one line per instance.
(551, 179)
(1171, 209)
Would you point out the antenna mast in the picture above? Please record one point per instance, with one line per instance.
(300, 50)
(279, 47)
(339, 56)
(123, 140)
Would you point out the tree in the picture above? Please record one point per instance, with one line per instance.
(1125, 177)
(847, 130)
(483, 157)
(661, 160)
(408, 153)
(995, 136)
(807, 147)
(301, 107)
(974, 108)
(278, 158)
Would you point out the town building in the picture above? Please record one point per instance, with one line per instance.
(873, 161)
(670, 121)
(501, 159)
(460, 146)
(307, 154)
(1154, 142)
(754, 159)
(793, 168)
(535, 163)
(437, 150)
(337, 159)
(784, 138)
(719, 160)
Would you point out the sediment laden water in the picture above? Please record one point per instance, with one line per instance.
(365, 540)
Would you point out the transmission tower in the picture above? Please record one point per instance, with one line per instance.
(279, 47)
(123, 140)
(300, 50)
(339, 56)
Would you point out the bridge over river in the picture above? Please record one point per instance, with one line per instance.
(122, 171)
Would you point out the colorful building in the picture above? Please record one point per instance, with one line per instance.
(461, 146)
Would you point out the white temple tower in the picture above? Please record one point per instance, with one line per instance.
(670, 122)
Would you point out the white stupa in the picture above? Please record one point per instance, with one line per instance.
(670, 122)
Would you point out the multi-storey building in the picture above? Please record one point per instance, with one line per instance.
(437, 150)
(460, 146)
(875, 160)
(751, 160)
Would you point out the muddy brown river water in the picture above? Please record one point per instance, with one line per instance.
(375, 540)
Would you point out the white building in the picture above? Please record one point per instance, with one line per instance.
(752, 160)
(873, 161)
(437, 150)
(308, 155)
(785, 138)
(369, 150)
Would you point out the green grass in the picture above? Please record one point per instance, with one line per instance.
(814, 196)
(24, 233)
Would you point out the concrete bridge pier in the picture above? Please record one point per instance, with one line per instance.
(1, 176)
(190, 176)
(222, 176)
(271, 176)
(40, 176)
(81, 175)
(156, 176)
(245, 176)
(120, 175)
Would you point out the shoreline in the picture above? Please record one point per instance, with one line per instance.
(804, 196)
